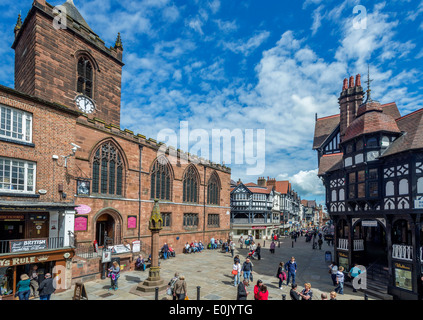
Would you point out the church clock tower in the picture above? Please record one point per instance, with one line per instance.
(59, 58)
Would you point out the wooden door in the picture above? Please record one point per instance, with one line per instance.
(38, 229)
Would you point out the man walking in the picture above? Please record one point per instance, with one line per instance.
(247, 268)
(242, 292)
(33, 276)
(46, 287)
(291, 269)
(340, 280)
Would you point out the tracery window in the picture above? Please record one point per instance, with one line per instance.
(161, 177)
(190, 185)
(213, 189)
(107, 177)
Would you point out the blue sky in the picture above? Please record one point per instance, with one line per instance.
(268, 64)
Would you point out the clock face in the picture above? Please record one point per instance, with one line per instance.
(85, 104)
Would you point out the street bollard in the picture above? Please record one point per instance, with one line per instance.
(366, 297)
(198, 293)
(279, 244)
(293, 244)
(284, 297)
(264, 243)
(156, 296)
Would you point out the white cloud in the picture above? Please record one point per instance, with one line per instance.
(317, 19)
(247, 47)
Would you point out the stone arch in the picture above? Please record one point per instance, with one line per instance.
(109, 220)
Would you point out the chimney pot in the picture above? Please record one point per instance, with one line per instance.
(351, 84)
(358, 80)
(345, 85)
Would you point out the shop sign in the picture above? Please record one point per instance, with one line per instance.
(402, 266)
(10, 262)
(342, 255)
(83, 209)
(367, 223)
(258, 227)
(28, 245)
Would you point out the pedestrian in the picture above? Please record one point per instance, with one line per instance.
(258, 251)
(165, 250)
(46, 287)
(171, 284)
(332, 295)
(272, 247)
(241, 242)
(232, 247)
(354, 272)
(33, 276)
(333, 269)
(23, 287)
(291, 268)
(306, 294)
(181, 288)
(140, 263)
(281, 275)
(324, 296)
(257, 289)
(114, 273)
(236, 271)
(242, 292)
(263, 293)
(247, 269)
(340, 280)
(320, 242)
(293, 293)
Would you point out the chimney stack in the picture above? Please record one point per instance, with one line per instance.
(351, 84)
(261, 181)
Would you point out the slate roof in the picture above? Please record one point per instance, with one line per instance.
(370, 118)
(412, 139)
(73, 12)
(326, 125)
(330, 162)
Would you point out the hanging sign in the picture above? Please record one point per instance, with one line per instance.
(367, 223)
(83, 209)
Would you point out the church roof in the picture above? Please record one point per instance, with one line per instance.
(73, 13)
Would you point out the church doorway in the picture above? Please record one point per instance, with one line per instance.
(105, 229)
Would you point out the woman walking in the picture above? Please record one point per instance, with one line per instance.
(263, 293)
(180, 288)
(281, 275)
(257, 289)
(236, 271)
(23, 287)
(114, 273)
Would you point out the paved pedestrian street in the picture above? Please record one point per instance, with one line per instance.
(211, 271)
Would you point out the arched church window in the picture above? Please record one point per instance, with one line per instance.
(107, 170)
(190, 185)
(161, 179)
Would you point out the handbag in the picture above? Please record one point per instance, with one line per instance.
(186, 298)
(234, 272)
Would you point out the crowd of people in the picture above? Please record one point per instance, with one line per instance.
(33, 286)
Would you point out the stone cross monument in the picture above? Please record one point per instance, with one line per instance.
(155, 224)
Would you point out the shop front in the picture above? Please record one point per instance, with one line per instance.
(56, 262)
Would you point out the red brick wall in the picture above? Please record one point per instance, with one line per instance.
(49, 67)
(53, 131)
(90, 135)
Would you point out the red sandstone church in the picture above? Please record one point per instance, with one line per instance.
(71, 177)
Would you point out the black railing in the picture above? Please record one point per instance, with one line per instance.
(27, 245)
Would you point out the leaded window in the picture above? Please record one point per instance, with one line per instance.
(85, 77)
(17, 176)
(107, 174)
(213, 187)
(190, 185)
(161, 180)
(15, 124)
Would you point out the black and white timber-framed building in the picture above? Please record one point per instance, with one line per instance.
(371, 163)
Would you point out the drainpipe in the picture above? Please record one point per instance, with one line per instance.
(204, 207)
(139, 194)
